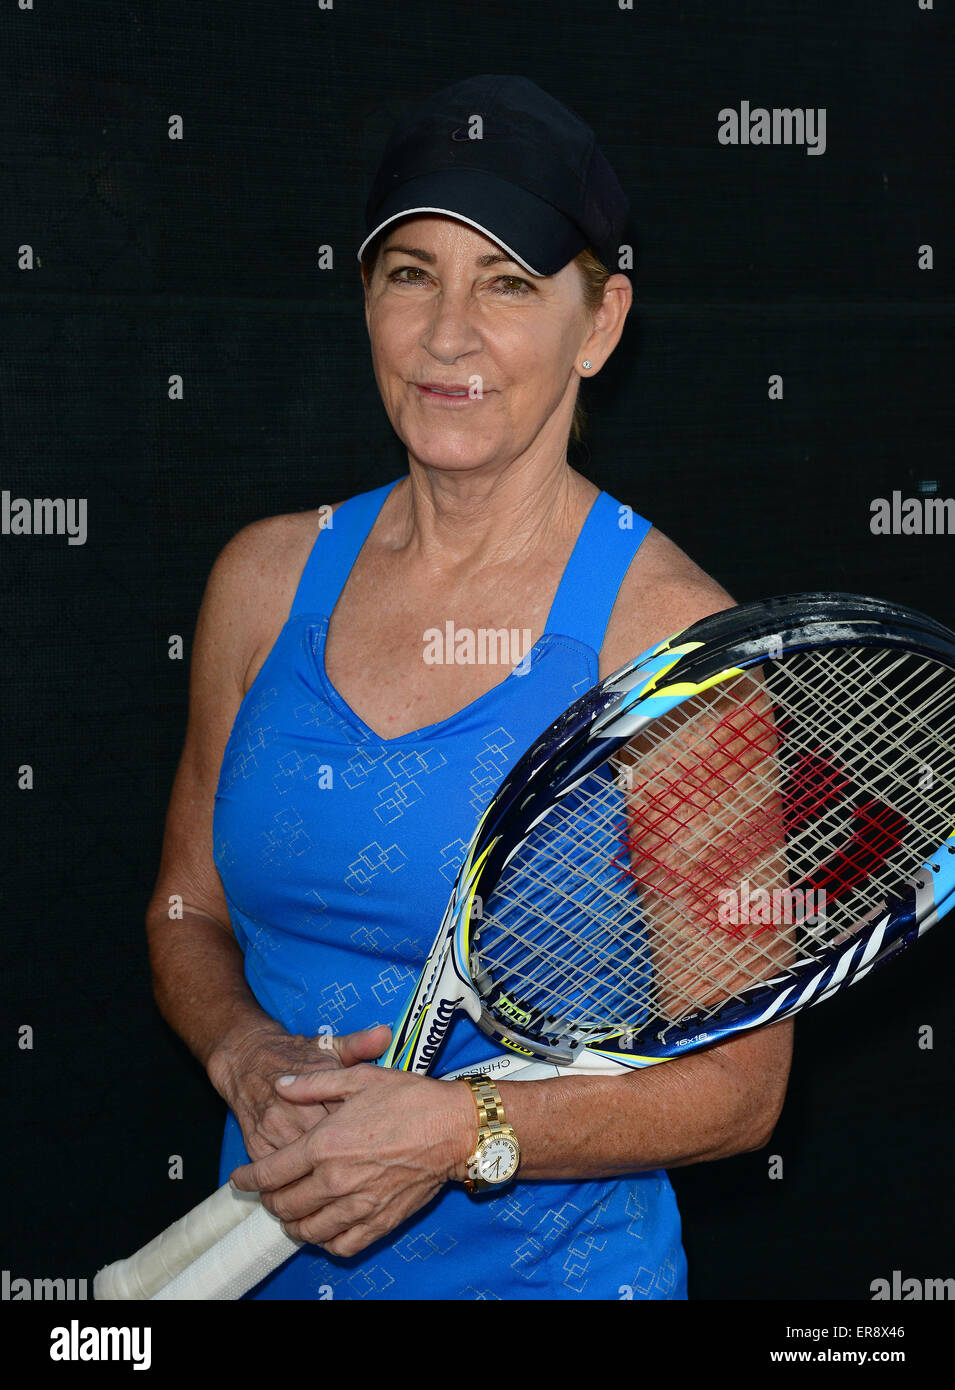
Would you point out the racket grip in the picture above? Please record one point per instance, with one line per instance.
(174, 1249)
(240, 1260)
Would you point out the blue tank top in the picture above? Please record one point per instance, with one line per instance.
(337, 850)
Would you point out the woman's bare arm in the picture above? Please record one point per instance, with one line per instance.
(196, 962)
(198, 972)
(720, 1102)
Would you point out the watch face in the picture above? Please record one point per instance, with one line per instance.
(497, 1159)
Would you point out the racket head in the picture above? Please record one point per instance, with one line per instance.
(787, 635)
(444, 985)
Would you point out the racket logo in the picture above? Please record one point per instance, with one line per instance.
(510, 1010)
(443, 1015)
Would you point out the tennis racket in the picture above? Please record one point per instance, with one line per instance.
(737, 825)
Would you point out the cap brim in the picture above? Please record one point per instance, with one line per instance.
(532, 232)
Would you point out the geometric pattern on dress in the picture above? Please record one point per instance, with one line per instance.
(305, 924)
(637, 1209)
(452, 857)
(405, 766)
(642, 1282)
(667, 1275)
(393, 983)
(580, 1252)
(287, 838)
(293, 769)
(527, 1257)
(256, 735)
(369, 1281)
(378, 941)
(370, 862)
(419, 1245)
(362, 764)
(334, 1001)
(488, 770)
(570, 1230)
(318, 714)
(511, 1206)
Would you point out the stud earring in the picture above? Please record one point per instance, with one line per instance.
(586, 365)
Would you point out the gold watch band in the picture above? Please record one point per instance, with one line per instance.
(487, 1098)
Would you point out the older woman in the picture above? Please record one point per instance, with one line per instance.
(332, 776)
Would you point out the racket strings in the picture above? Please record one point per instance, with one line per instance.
(798, 779)
(534, 949)
(533, 899)
(880, 821)
(816, 834)
(887, 724)
(680, 806)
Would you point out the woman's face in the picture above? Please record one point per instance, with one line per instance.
(447, 307)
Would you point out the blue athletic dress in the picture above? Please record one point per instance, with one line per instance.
(337, 850)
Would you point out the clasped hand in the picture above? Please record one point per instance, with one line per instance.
(389, 1144)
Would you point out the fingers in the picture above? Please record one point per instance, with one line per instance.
(277, 1169)
(320, 1086)
(312, 1208)
(283, 1124)
(342, 1226)
(352, 1241)
(364, 1046)
(348, 1222)
(293, 1161)
(346, 1050)
(296, 1159)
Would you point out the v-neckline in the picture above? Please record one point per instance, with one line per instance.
(426, 730)
(413, 735)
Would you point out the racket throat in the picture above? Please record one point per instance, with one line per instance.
(561, 1048)
(436, 1032)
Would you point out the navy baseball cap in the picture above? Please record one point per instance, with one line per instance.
(529, 175)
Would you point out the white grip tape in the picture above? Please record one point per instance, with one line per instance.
(236, 1263)
(168, 1254)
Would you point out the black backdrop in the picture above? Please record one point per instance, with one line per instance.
(200, 257)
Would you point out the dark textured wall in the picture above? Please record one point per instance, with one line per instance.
(199, 257)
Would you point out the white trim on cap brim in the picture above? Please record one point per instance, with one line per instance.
(446, 212)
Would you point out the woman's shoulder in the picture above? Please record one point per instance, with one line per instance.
(255, 576)
(269, 555)
(662, 592)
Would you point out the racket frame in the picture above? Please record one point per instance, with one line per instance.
(640, 693)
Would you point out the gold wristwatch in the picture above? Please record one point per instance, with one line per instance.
(497, 1152)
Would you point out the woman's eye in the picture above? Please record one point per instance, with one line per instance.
(506, 284)
(401, 272)
(523, 286)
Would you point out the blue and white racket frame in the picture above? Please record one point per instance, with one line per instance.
(596, 726)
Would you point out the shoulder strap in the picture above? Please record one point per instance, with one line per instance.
(335, 551)
(608, 541)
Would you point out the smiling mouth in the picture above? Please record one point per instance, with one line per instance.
(447, 395)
